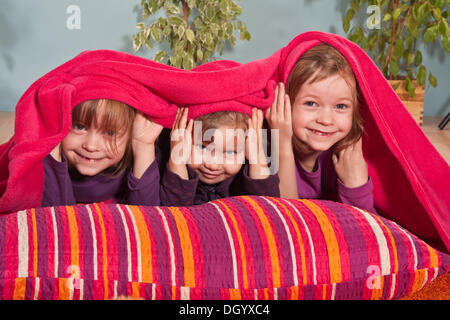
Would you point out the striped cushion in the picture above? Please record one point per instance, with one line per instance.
(234, 248)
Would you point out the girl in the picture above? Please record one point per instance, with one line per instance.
(212, 167)
(320, 134)
(92, 163)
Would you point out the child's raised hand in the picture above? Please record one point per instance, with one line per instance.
(350, 165)
(279, 116)
(144, 135)
(180, 143)
(145, 131)
(254, 150)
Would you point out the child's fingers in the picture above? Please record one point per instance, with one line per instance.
(177, 118)
(250, 123)
(287, 109)
(268, 111)
(183, 119)
(281, 105)
(189, 126)
(275, 101)
(335, 159)
(260, 118)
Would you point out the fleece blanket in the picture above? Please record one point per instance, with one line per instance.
(410, 177)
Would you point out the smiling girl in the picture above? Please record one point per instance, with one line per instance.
(321, 132)
(108, 156)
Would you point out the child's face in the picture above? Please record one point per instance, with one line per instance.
(322, 112)
(220, 158)
(89, 151)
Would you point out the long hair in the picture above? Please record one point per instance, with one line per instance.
(318, 63)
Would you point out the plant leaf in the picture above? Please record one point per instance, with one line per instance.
(418, 59)
(409, 86)
(432, 80)
(190, 35)
(421, 76)
(393, 67)
(430, 34)
(398, 49)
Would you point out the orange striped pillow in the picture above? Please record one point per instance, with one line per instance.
(235, 248)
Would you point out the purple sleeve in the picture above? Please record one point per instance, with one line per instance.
(144, 191)
(58, 189)
(176, 191)
(258, 187)
(361, 197)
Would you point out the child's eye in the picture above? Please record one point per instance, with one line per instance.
(200, 146)
(341, 106)
(79, 126)
(110, 133)
(230, 153)
(310, 103)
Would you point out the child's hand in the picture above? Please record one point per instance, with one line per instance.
(180, 143)
(279, 117)
(56, 153)
(144, 134)
(254, 151)
(145, 131)
(350, 165)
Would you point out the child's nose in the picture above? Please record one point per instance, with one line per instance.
(211, 164)
(92, 142)
(325, 116)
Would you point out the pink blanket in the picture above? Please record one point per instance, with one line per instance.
(411, 179)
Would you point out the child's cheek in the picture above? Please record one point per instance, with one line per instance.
(232, 169)
(196, 157)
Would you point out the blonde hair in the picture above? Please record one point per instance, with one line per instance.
(220, 118)
(116, 117)
(318, 63)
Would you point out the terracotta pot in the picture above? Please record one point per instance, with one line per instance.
(414, 104)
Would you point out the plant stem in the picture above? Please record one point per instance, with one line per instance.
(185, 11)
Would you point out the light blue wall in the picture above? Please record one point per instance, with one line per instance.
(34, 38)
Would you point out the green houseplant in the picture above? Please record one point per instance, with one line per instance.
(390, 35)
(195, 30)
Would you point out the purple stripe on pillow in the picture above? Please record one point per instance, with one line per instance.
(402, 282)
(29, 288)
(309, 292)
(162, 247)
(88, 245)
(354, 239)
(121, 242)
(402, 252)
(215, 243)
(42, 244)
(59, 211)
(420, 259)
(47, 287)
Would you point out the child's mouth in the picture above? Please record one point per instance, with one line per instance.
(90, 160)
(321, 133)
(209, 175)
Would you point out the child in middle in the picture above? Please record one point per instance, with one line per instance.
(211, 168)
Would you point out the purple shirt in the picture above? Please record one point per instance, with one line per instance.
(324, 184)
(176, 191)
(62, 187)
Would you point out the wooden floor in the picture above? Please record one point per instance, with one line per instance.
(439, 138)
